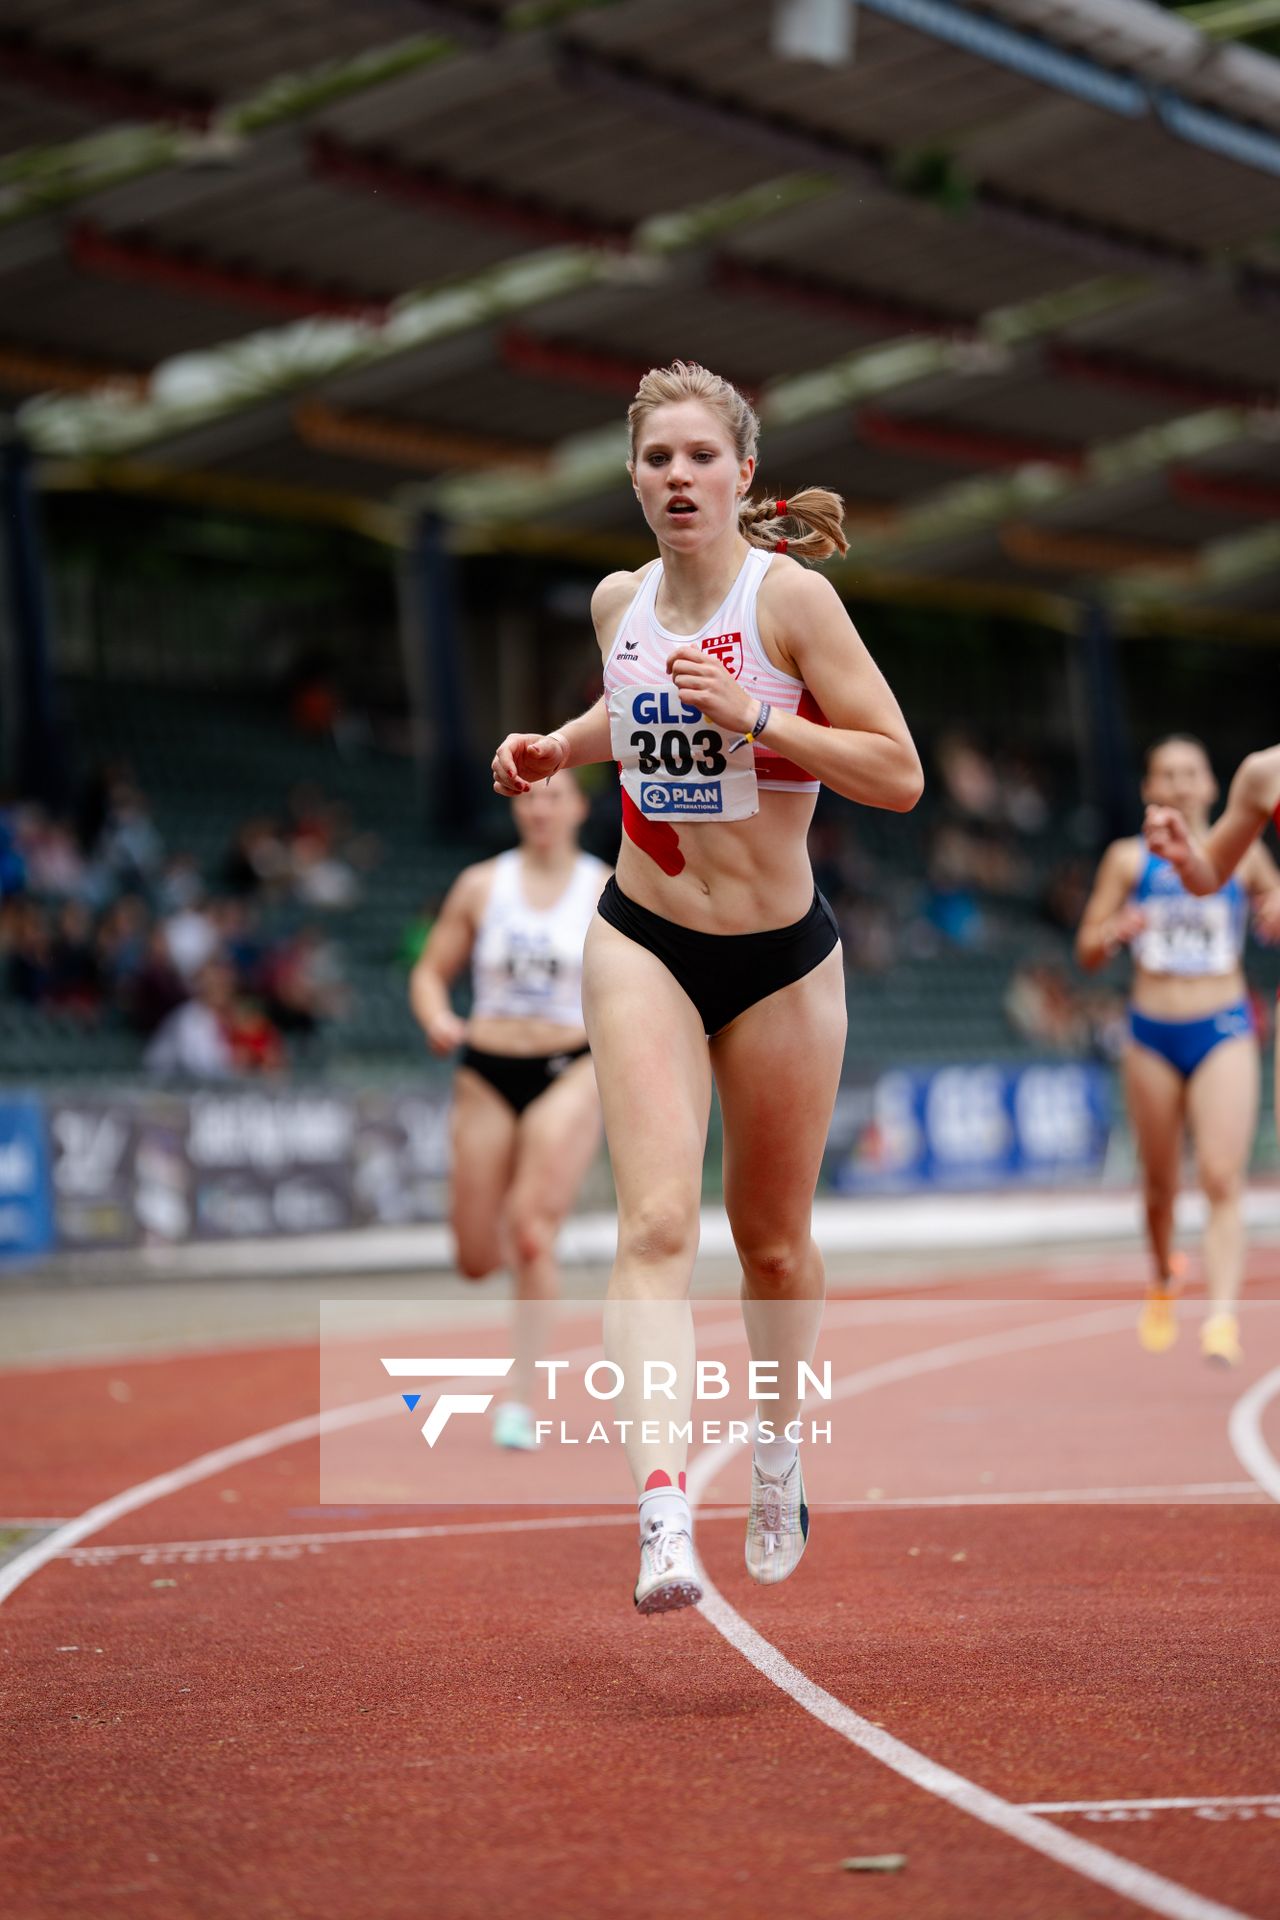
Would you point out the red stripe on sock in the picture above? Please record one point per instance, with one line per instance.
(682, 1483)
(660, 1479)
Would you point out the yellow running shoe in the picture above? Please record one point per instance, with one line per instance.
(1158, 1323)
(1220, 1340)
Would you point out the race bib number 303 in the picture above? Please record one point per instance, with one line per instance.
(676, 764)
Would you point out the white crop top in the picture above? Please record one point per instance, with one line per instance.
(642, 646)
(527, 962)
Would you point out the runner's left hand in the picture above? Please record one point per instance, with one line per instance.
(704, 683)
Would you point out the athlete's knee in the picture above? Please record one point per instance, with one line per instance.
(772, 1263)
(475, 1260)
(531, 1233)
(661, 1227)
(1160, 1190)
(1220, 1183)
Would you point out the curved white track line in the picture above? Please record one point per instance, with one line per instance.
(70, 1532)
(94, 1519)
(1092, 1862)
(1244, 1430)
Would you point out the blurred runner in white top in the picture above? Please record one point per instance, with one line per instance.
(526, 1116)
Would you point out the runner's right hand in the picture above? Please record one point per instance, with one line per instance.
(445, 1032)
(523, 758)
(1165, 832)
(1125, 926)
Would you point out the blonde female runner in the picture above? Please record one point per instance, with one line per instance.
(734, 686)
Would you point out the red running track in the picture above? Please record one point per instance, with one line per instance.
(456, 1723)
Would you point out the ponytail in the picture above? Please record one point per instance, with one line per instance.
(772, 524)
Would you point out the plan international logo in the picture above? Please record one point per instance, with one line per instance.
(703, 798)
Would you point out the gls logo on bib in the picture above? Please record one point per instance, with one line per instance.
(689, 801)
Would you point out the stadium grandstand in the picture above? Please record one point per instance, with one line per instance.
(320, 328)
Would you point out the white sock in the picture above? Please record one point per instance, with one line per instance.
(775, 1456)
(668, 1505)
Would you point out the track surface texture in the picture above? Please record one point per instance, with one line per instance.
(1033, 1658)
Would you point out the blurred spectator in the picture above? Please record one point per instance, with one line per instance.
(258, 861)
(1042, 1008)
(215, 1034)
(1024, 803)
(122, 948)
(30, 970)
(868, 935)
(320, 878)
(256, 1046)
(180, 884)
(129, 847)
(55, 867)
(192, 938)
(157, 988)
(303, 982)
(194, 1041)
(1066, 893)
(235, 928)
(75, 979)
(315, 698)
(13, 868)
(949, 906)
(1106, 1013)
(968, 777)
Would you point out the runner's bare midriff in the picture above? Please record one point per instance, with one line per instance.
(1173, 996)
(741, 876)
(524, 1039)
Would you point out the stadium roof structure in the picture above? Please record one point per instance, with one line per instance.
(1008, 278)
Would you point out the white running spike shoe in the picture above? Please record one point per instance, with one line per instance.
(668, 1570)
(514, 1427)
(777, 1524)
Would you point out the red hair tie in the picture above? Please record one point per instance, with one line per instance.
(780, 546)
(779, 509)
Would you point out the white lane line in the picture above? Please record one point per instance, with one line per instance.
(1153, 1806)
(1244, 1430)
(446, 1530)
(1065, 1497)
(374, 1536)
(1092, 1862)
(61, 1521)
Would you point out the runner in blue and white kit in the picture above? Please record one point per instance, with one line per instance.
(1192, 1060)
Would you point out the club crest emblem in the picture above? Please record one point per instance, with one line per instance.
(727, 648)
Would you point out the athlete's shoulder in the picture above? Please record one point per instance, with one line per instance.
(1258, 779)
(610, 601)
(790, 587)
(803, 615)
(612, 593)
(1127, 857)
(473, 886)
